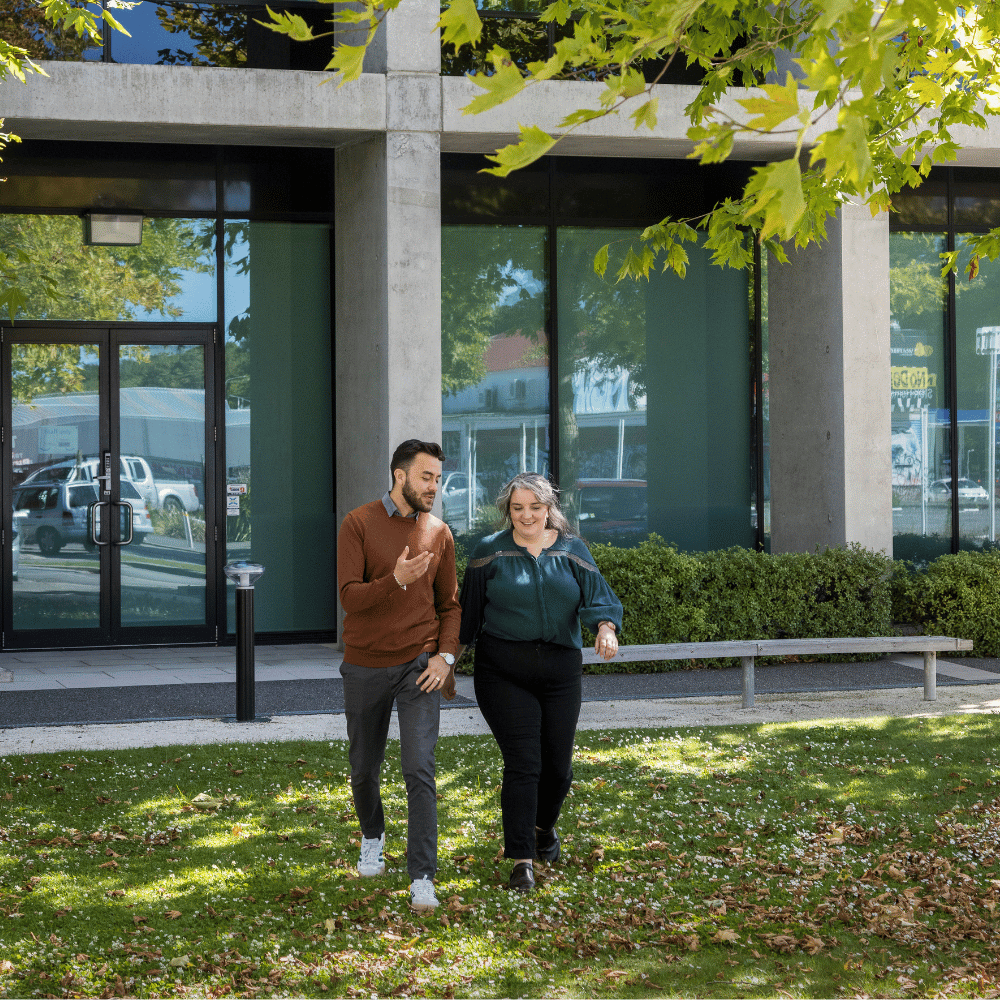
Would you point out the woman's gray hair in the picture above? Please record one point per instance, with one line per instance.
(545, 493)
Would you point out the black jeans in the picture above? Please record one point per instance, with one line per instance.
(529, 694)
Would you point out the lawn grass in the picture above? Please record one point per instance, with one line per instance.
(802, 860)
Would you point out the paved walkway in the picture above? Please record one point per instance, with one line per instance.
(785, 693)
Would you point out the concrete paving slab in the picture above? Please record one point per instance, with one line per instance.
(92, 680)
(34, 684)
(149, 678)
(297, 672)
(948, 668)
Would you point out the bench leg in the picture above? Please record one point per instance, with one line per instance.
(747, 662)
(930, 676)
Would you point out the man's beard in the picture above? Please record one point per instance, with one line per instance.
(416, 500)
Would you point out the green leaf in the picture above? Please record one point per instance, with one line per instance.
(348, 61)
(845, 150)
(927, 90)
(460, 24)
(645, 114)
(780, 104)
(534, 144)
(284, 23)
(779, 198)
(559, 12)
(500, 86)
(601, 260)
(582, 115)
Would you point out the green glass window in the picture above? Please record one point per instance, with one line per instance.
(977, 344)
(495, 366)
(921, 451)
(170, 276)
(278, 367)
(653, 409)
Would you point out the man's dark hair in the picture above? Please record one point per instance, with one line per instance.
(403, 456)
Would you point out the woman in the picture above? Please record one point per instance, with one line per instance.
(525, 592)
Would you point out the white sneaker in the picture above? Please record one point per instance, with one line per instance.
(372, 860)
(422, 896)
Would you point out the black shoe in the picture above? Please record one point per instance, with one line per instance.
(547, 845)
(522, 878)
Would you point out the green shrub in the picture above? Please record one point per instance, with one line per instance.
(736, 593)
(955, 595)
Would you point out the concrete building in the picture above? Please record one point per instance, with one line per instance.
(327, 270)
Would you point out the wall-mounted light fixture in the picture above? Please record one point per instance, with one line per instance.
(105, 230)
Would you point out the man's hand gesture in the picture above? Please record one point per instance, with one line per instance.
(410, 570)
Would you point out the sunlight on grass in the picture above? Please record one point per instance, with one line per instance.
(803, 860)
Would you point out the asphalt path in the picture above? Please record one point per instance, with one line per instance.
(80, 706)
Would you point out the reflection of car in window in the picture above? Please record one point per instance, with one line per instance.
(455, 500)
(52, 515)
(613, 510)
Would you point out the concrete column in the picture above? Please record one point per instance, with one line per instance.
(830, 421)
(388, 267)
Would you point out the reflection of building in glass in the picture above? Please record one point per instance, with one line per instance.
(499, 427)
(164, 426)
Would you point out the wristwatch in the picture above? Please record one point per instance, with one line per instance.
(448, 658)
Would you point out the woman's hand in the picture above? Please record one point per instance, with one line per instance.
(606, 644)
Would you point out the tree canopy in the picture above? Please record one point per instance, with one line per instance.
(866, 95)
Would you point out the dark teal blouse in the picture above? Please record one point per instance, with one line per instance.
(510, 594)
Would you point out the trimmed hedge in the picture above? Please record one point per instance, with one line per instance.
(955, 595)
(737, 593)
(672, 596)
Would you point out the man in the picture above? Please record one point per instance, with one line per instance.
(396, 570)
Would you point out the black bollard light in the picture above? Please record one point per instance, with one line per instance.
(244, 574)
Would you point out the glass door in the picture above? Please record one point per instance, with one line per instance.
(108, 539)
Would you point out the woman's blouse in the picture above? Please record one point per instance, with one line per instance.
(510, 594)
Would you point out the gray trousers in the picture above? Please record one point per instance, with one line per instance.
(368, 696)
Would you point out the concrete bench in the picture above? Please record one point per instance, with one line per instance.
(749, 650)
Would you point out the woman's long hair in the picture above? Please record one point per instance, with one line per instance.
(545, 493)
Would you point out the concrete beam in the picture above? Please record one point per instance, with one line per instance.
(184, 104)
(830, 420)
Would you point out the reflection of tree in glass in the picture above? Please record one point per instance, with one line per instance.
(602, 330)
(915, 282)
(23, 23)
(493, 283)
(45, 369)
(219, 33)
(236, 248)
(103, 283)
(525, 40)
(183, 369)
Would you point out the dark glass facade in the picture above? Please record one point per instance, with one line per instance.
(945, 338)
(238, 241)
(638, 398)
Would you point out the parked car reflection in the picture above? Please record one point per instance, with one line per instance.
(613, 510)
(969, 492)
(52, 515)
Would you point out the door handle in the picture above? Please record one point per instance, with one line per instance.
(93, 520)
(131, 526)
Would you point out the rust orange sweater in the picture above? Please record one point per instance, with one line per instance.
(385, 625)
